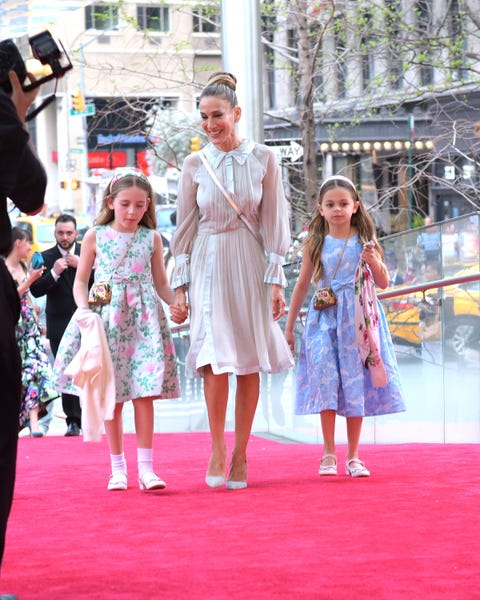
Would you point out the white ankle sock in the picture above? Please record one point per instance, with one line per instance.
(118, 462)
(145, 460)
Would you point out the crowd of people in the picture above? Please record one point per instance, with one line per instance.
(104, 298)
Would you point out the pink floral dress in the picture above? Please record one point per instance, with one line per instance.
(137, 330)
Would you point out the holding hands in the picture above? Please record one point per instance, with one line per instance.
(179, 315)
(179, 307)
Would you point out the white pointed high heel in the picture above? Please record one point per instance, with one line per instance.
(232, 484)
(214, 481)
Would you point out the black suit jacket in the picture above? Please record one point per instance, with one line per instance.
(60, 304)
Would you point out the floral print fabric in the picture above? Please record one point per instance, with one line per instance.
(330, 372)
(37, 375)
(137, 330)
(366, 324)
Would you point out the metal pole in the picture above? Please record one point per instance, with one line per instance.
(242, 56)
(84, 134)
(411, 137)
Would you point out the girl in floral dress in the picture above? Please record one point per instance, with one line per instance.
(37, 375)
(126, 251)
(332, 375)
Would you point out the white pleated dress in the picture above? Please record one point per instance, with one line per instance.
(225, 268)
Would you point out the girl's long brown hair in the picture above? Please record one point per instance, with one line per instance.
(318, 227)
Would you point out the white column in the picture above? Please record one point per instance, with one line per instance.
(243, 56)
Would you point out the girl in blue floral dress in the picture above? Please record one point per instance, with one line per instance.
(332, 378)
(126, 251)
(37, 375)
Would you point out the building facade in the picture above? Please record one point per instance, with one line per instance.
(396, 99)
(133, 61)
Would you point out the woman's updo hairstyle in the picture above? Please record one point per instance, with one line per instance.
(221, 85)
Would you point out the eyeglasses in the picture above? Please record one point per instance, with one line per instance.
(127, 172)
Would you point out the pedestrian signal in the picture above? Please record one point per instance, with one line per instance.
(78, 102)
(194, 144)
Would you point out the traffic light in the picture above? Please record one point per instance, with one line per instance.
(74, 184)
(194, 144)
(78, 102)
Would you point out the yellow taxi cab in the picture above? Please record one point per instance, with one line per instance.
(416, 317)
(41, 230)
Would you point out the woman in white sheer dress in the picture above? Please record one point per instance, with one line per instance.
(231, 276)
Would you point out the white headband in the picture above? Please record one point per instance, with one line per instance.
(338, 178)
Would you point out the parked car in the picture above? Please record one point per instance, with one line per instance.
(41, 230)
(414, 318)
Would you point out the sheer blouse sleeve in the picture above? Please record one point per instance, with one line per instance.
(274, 221)
(187, 222)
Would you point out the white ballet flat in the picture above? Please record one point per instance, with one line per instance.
(356, 468)
(151, 481)
(117, 481)
(328, 469)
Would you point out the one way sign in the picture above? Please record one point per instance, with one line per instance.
(292, 151)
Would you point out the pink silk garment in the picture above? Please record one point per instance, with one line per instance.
(366, 324)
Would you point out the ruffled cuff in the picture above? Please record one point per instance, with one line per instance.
(181, 272)
(274, 273)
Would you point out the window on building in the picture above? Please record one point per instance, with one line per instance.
(292, 45)
(268, 29)
(457, 34)
(340, 57)
(153, 18)
(367, 45)
(424, 22)
(395, 62)
(206, 19)
(101, 16)
(167, 103)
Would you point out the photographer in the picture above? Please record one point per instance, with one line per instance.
(23, 180)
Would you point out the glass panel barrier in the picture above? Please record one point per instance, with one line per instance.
(436, 335)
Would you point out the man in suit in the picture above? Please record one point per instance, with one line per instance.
(23, 180)
(57, 284)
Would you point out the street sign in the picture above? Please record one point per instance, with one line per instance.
(292, 151)
(88, 112)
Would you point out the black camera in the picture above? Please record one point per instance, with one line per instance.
(45, 49)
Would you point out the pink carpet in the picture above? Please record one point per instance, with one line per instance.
(411, 530)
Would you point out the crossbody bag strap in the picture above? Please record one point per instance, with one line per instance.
(341, 256)
(129, 245)
(230, 200)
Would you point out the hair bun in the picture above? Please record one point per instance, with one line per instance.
(223, 78)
